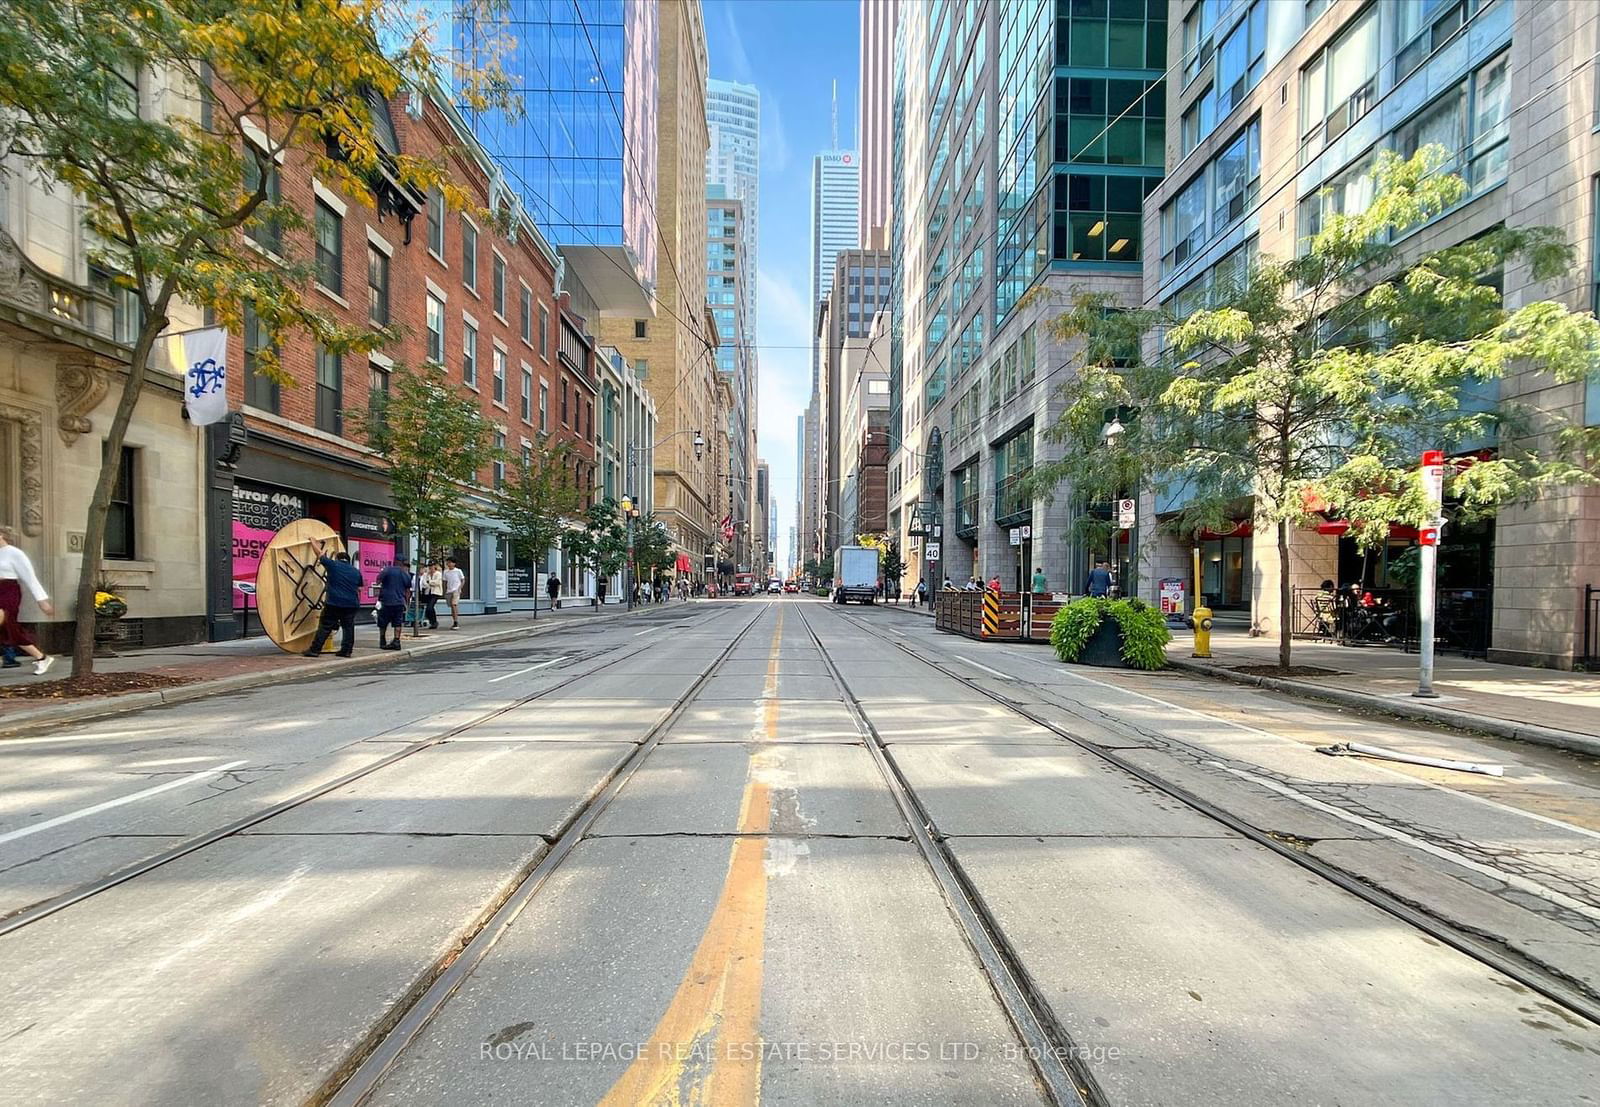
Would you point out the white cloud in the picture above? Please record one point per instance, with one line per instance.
(739, 60)
(774, 141)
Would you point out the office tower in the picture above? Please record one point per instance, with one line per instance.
(874, 125)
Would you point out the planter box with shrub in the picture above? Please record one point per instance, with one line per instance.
(1114, 633)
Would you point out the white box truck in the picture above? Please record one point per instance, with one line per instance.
(855, 574)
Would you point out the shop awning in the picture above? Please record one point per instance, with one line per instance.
(684, 565)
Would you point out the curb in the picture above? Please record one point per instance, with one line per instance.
(15, 724)
(1419, 711)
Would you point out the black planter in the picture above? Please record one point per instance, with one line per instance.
(1104, 647)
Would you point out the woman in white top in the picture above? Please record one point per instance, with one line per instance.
(15, 571)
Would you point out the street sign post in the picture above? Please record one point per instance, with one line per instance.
(1127, 514)
(1428, 546)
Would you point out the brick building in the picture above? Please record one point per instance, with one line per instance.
(482, 304)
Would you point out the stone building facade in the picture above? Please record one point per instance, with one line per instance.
(1274, 114)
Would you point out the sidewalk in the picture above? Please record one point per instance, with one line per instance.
(211, 668)
(1543, 706)
(1546, 706)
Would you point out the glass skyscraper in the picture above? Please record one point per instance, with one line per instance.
(582, 153)
(733, 118)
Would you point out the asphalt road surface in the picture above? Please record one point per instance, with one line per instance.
(773, 850)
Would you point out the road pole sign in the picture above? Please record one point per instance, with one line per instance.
(1428, 544)
(1127, 514)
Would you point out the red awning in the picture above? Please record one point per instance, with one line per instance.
(684, 565)
(1398, 531)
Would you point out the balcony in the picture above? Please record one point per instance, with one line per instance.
(35, 302)
(967, 516)
(1013, 502)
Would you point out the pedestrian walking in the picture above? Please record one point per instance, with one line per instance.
(340, 602)
(432, 592)
(394, 592)
(1099, 582)
(994, 583)
(552, 586)
(922, 592)
(454, 579)
(600, 592)
(16, 571)
(1040, 585)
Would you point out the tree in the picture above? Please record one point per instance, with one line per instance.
(602, 543)
(652, 547)
(894, 566)
(436, 442)
(1311, 385)
(539, 493)
(167, 197)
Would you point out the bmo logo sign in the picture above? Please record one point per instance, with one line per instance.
(838, 159)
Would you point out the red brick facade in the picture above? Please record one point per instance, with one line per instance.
(416, 272)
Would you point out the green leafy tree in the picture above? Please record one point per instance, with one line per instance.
(601, 545)
(539, 493)
(436, 442)
(652, 547)
(168, 185)
(1313, 384)
(894, 566)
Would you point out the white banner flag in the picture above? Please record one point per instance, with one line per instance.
(205, 375)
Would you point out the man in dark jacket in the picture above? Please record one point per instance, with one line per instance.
(1099, 582)
(340, 603)
(394, 592)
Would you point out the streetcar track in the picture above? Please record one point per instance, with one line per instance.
(20, 918)
(1056, 1062)
(1574, 995)
(361, 1073)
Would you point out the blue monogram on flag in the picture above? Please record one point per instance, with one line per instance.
(205, 392)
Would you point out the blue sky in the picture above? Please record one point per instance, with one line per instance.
(792, 50)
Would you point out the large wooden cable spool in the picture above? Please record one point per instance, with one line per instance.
(292, 585)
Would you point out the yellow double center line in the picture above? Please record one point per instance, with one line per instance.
(706, 1050)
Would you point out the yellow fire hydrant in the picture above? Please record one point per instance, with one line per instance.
(1202, 614)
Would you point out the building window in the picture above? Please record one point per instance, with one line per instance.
(469, 256)
(377, 286)
(435, 324)
(1241, 59)
(1198, 121)
(1110, 121)
(266, 232)
(1097, 216)
(544, 332)
(329, 233)
(120, 521)
(641, 368)
(1341, 85)
(260, 390)
(565, 419)
(377, 394)
(527, 394)
(498, 285)
(1422, 27)
(1125, 40)
(499, 375)
(436, 223)
(525, 315)
(469, 353)
(499, 460)
(330, 392)
(544, 406)
(641, 328)
(1236, 178)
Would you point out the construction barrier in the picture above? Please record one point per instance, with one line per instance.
(998, 616)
